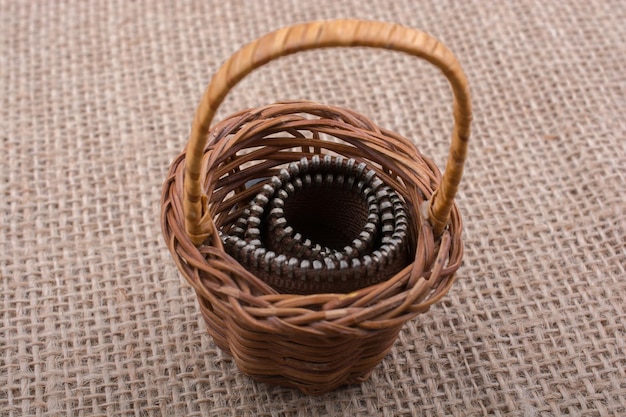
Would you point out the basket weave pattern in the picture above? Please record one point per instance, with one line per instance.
(326, 337)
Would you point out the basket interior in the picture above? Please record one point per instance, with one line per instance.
(324, 224)
(247, 149)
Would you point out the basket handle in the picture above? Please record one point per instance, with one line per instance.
(324, 34)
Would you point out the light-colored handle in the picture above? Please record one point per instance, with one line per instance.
(324, 34)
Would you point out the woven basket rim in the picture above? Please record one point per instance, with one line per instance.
(333, 305)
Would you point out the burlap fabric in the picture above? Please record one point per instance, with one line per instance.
(96, 98)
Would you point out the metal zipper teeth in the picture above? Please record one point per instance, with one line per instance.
(244, 241)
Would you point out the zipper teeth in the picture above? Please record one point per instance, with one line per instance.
(290, 255)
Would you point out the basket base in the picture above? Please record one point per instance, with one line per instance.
(295, 368)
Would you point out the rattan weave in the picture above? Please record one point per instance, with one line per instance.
(320, 340)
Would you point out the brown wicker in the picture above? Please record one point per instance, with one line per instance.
(318, 341)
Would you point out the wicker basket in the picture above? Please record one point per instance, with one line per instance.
(321, 333)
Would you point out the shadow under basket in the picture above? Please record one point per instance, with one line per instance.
(310, 234)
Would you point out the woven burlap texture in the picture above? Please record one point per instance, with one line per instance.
(96, 98)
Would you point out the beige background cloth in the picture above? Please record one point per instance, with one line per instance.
(96, 98)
